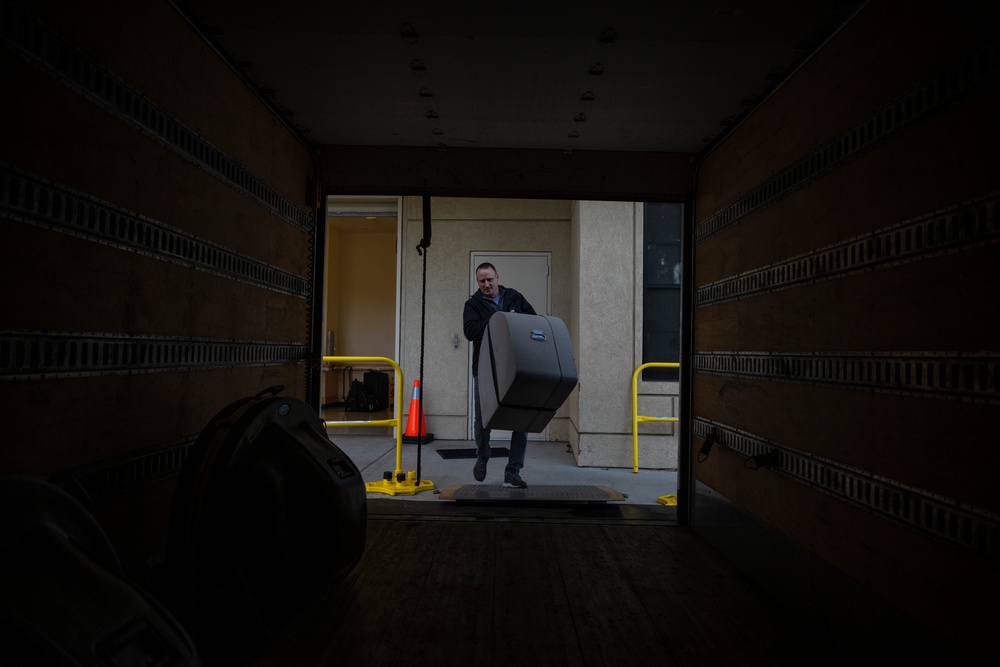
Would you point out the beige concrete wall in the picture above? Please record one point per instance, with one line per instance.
(607, 328)
(573, 402)
(459, 227)
(596, 289)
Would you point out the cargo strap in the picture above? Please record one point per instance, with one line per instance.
(425, 243)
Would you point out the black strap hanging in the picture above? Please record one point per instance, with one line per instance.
(425, 242)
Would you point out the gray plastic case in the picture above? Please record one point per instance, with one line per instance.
(526, 371)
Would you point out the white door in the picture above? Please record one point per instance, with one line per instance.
(529, 274)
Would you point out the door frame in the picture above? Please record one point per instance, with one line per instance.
(355, 206)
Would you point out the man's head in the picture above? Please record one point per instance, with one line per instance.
(486, 277)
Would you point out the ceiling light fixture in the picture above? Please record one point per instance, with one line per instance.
(425, 92)
(432, 114)
(608, 37)
(596, 69)
(573, 135)
(587, 97)
(418, 66)
(580, 118)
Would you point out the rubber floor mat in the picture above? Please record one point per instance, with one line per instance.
(470, 452)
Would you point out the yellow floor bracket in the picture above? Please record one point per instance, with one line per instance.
(670, 499)
(399, 483)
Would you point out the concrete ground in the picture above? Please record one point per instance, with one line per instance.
(546, 463)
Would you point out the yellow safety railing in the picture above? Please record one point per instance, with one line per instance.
(636, 417)
(400, 482)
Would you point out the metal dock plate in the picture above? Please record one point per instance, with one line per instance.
(538, 493)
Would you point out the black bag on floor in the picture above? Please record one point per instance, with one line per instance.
(361, 399)
(268, 515)
(64, 599)
(345, 382)
(378, 384)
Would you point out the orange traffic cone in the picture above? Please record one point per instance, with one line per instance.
(415, 422)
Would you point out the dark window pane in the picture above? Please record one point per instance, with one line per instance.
(662, 223)
(661, 306)
(662, 346)
(661, 340)
(660, 374)
(662, 264)
(661, 311)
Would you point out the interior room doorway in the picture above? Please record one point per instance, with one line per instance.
(361, 309)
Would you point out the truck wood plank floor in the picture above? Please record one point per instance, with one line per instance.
(564, 588)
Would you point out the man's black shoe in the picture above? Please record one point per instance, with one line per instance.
(514, 481)
(479, 470)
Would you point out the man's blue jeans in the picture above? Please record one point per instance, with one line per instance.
(518, 439)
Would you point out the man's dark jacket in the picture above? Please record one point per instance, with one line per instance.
(478, 311)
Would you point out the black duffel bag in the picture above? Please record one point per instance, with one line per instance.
(268, 514)
(64, 597)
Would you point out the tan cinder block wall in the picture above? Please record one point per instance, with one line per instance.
(607, 333)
